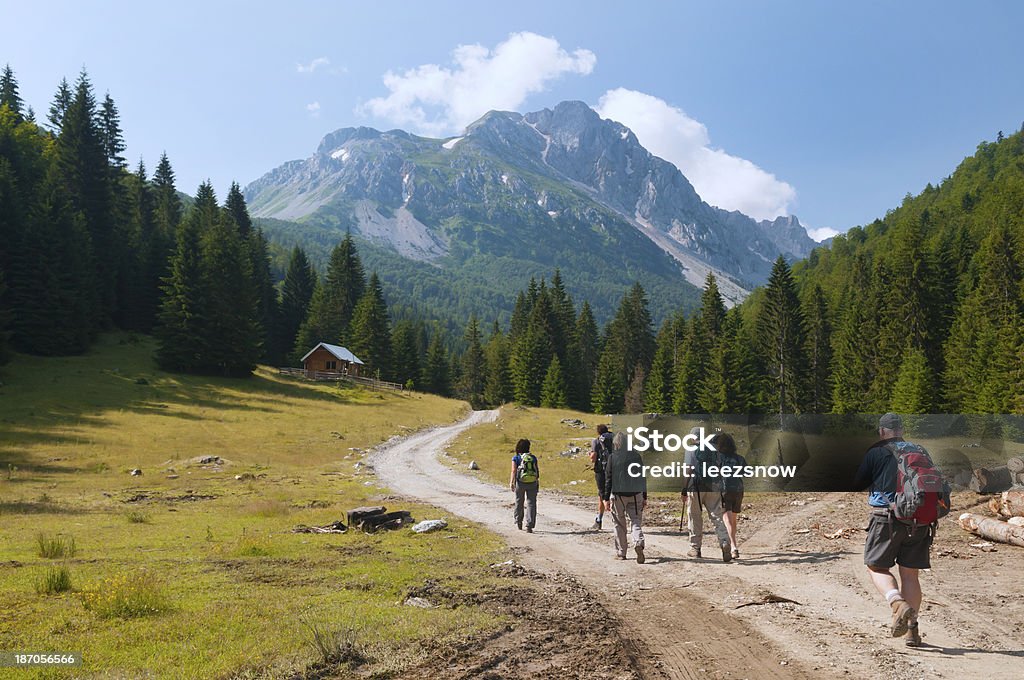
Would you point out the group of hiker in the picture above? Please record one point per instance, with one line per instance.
(907, 496)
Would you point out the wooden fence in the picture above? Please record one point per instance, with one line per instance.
(336, 376)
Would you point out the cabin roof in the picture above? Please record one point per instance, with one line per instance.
(340, 352)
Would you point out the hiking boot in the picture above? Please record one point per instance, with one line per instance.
(913, 636)
(596, 526)
(694, 552)
(519, 525)
(639, 554)
(620, 557)
(726, 553)
(902, 615)
(529, 530)
(735, 553)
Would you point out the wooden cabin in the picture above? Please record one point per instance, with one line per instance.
(325, 358)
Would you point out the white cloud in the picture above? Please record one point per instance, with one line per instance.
(821, 233)
(313, 65)
(439, 100)
(727, 181)
(314, 109)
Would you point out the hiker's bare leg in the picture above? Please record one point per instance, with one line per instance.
(884, 581)
(730, 526)
(910, 586)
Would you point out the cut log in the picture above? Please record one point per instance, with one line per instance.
(1016, 464)
(388, 520)
(992, 529)
(991, 480)
(1009, 504)
(356, 515)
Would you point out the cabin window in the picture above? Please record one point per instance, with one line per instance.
(332, 365)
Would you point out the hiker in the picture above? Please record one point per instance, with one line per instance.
(626, 496)
(703, 493)
(600, 449)
(525, 481)
(907, 496)
(732, 487)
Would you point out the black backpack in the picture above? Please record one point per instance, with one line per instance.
(603, 451)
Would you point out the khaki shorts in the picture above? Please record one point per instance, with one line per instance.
(892, 542)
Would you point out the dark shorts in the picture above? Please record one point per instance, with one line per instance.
(599, 479)
(894, 542)
(732, 501)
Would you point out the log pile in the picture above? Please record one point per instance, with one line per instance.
(371, 519)
(992, 529)
(1009, 504)
(1000, 477)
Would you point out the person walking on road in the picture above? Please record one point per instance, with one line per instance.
(732, 487)
(600, 449)
(626, 495)
(900, 531)
(702, 493)
(525, 482)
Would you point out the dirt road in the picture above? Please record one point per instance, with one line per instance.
(695, 619)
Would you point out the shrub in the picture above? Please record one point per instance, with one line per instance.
(55, 580)
(125, 596)
(137, 517)
(56, 547)
(334, 643)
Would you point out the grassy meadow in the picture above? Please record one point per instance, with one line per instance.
(190, 569)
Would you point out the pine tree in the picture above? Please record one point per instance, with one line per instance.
(554, 390)
(267, 308)
(296, 293)
(532, 353)
(5, 322)
(9, 96)
(498, 389)
(167, 208)
(370, 336)
(608, 392)
(520, 317)
(87, 181)
(407, 353)
(473, 377)
(181, 322)
(436, 371)
(587, 344)
(818, 350)
(781, 334)
(230, 332)
(660, 389)
(51, 277)
(235, 205)
(332, 306)
(111, 136)
(59, 107)
(914, 389)
(691, 370)
(712, 309)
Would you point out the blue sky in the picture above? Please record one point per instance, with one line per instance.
(830, 111)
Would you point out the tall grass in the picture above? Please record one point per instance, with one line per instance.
(55, 547)
(55, 580)
(334, 643)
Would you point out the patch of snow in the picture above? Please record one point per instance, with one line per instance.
(624, 134)
(540, 202)
(547, 142)
(552, 213)
(450, 144)
(504, 180)
(341, 154)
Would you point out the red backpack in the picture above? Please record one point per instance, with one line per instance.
(922, 495)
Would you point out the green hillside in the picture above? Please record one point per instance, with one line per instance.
(927, 302)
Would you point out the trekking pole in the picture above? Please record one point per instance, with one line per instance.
(682, 514)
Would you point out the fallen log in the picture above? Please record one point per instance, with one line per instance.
(356, 515)
(388, 520)
(1009, 504)
(991, 480)
(992, 529)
